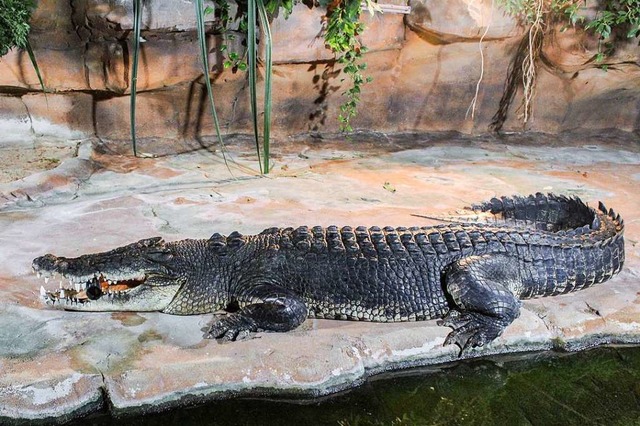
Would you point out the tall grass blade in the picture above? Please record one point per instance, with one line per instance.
(266, 36)
(253, 67)
(202, 38)
(137, 23)
(32, 57)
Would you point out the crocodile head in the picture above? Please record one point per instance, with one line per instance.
(142, 276)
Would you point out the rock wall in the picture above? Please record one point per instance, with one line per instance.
(425, 68)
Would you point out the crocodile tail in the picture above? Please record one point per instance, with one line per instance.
(548, 212)
(585, 245)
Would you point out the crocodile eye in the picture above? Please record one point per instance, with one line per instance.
(159, 256)
(94, 292)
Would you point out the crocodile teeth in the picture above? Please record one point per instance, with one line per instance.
(43, 292)
(46, 279)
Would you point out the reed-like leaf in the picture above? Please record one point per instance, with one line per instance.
(137, 23)
(204, 53)
(266, 39)
(252, 51)
(32, 57)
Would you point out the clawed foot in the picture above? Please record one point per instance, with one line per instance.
(231, 327)
(470, 329)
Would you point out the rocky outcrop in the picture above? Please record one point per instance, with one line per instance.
(57, 364)
(460, 21)
(425, 69)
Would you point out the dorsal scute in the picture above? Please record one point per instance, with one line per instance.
(235, 239)
(334, 240)
(273, 231)
(218, 240)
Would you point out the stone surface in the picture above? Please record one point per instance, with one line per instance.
(157, 14)
(62, 69)
(426, 72)
(460, 20)
(67, 115)
(57, 365)
(14, 119)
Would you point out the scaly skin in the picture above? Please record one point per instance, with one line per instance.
(470, 272)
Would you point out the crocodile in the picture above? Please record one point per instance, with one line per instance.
(470, 271)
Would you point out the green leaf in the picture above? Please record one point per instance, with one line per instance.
(202, 39)
(137, 24)
(266, 31)
(34, 63)
(252, 51)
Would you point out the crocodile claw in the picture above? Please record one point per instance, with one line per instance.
(470, 329)
(232, 327)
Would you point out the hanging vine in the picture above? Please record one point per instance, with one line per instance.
(342, 28)
(536, 16)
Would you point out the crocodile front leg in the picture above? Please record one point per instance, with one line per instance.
(482, 288)
(269, 308)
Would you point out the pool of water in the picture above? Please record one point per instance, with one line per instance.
(595, 387)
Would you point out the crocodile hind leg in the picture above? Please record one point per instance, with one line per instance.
(482, 288)
(268, 308)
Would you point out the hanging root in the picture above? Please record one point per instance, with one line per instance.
(529, 66)
(472, 107)
(522, 71)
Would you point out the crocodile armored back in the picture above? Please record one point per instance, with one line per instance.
(470, 271)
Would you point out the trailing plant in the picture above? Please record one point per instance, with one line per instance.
(611, 15)
(14, 29)
(252, 39)
(252, 18)
(537, 15)
(620, 14)
(342, 28)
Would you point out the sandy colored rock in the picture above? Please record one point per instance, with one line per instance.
(159, 14)
(185, 111)
(53, 17)
(426, 72)
(460, 20)
(14, 118)
(61, 69)
(57, 113)
(56, 364)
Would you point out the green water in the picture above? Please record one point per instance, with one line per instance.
(595, 387)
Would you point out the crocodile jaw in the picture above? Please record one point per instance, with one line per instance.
(101, 292)
(135, 277)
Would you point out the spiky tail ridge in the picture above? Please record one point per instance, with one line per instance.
(585, 245)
